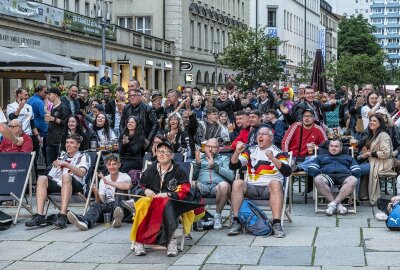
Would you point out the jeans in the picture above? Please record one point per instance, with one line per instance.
(52, 152)
(365, 167)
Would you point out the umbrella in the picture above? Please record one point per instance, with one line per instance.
(318, 81)
(72, 65)
(11, 57)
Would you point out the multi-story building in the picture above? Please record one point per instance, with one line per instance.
(197, 28)
(295, 22)
(330, 21)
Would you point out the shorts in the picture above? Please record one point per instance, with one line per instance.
(335, 179)
(53, 187)
(253, 191)
(209, 191)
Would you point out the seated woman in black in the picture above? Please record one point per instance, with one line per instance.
(131, 146)
(74, 127)
(176, 134)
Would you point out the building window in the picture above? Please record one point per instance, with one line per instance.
(143, 25)
(192, 33)
(356, 10)
(223, 40)
(205, 37)
(271, 17)
(66, 4)
(199, 35)
(218, 37)
(125, 22)
(54, 3)
(76, 6)
(87, 9)
(212, 36)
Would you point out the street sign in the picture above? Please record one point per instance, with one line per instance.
(272, 32)
(186, 66)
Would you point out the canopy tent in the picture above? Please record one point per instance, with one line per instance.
(14, 58)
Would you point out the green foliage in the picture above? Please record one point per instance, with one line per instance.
(304, 71)
(94, 91)
(253, 55)
(355, 37)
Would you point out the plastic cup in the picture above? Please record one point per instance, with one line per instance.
(107, 219)
(310, 148)
(203, 146)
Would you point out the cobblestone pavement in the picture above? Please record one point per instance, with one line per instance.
(314, 241)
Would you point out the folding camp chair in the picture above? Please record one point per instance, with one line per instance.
(90, 180)
(15, 175)
(351, 198)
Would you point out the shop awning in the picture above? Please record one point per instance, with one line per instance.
(15, 58)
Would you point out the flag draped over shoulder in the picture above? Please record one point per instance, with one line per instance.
(156, 219)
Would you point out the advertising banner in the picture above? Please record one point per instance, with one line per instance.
(13, 170)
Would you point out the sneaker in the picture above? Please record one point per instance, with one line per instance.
(277, 230)
(129, 205)
(381, 216)
(61, 221)
(36, 220)
(331, 209)
(78, 221)
(139, 249)
(118, 216)
(217, 222)
(172, 249)
(341, 209)
(235, 229)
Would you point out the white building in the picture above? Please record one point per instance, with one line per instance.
(351, 7)
(330, 21)
(296, 25)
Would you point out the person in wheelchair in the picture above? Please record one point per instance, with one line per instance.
(335, 169)
(266, 168)
(67, 176)
(214, 177)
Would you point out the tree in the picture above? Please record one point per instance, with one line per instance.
(304, 71)
(253, 55)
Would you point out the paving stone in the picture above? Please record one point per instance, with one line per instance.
(113, 235)
(374, 223)
(220, 267)
(155, 255)
(352, 256)
(70, 234)
(201, 249)
(248, 267)
(186, 267)
(56, 252)
(317, 221)
(295, 236)
(330, 267)
(338, 237)
(235, 255)
(50, 266)
(191, 259)
(5, 263)
(102, 253)
(383, 258)
(353, 223)
(21, 232)
(214, 238)
(109, 266)
(379, 233)
(11, 250)
(279, 256)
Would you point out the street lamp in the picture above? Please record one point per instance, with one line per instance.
(215, 52)
(104, 16)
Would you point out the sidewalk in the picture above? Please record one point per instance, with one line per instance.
(314, 241)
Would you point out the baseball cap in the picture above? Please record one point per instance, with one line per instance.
(308, 110)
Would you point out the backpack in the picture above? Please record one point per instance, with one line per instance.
(393, 220)
(253, 219)
(5, 221)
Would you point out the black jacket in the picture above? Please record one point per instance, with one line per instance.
(229, 107)
(110, 110)
(318, 107)
(269, 104)
(147, 118)
(131, 153)
(55, 131)
(191, 130)
(68, 105)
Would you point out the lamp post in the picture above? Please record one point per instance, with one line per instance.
(215, 52)
(104, 16)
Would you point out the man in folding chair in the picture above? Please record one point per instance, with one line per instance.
(106, 200)
(335, 169)
(67, 176)
(266, 168)
(214, 177)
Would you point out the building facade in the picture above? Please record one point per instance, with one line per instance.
(330, 22)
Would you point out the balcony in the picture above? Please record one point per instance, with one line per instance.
(377, 5)
(379, 35)
(392, 46)
(392, 15)
(394, 56)
(393, 5)
(392, 35)
(377, 15)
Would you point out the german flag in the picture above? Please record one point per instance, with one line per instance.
(156, 219)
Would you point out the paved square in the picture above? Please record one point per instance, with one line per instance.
(286, 256)
(338, 237)
(102, 253)
(235, 255)
(351, 256)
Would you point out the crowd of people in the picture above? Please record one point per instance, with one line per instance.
(257, 127)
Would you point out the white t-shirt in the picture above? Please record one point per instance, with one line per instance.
(364, 113)
(102, 136)
(25, 115)
(109, 191)
(3, 118)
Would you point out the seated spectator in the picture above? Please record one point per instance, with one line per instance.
(241, 122)
(74, 127)
(8, 145)
(335, 169)
(95, 108)
(191, 125)
(131, 147)
(302, 133)
(214, 177)
(103, 129)
(266, 168)
(67, 176)
(197, 108)
(277, 125)
(209, 128)
(176, 134)
(223, 103)
(106, 200)
(152, 155)
(164, 179)
(225, 123)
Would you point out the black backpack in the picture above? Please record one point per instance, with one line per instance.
(5, 221)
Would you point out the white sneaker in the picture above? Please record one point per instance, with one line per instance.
(381, 216)
(217, 221)
(172, 249)
(331, 209)
(341, 209)
(118, 216)
(139, 249)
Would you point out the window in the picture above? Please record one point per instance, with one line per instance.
(199, 35)
(218, 37)
(223, 40)
(366, 10)
(212, 36)
(205, 37)
(284, 19)
(66, 4)
(143, 25)
(76, 6)
(54, 3)
(242, 10)
(125, 22)
(87, 9)
(192, 33)
(356, 10)
(271, 17)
